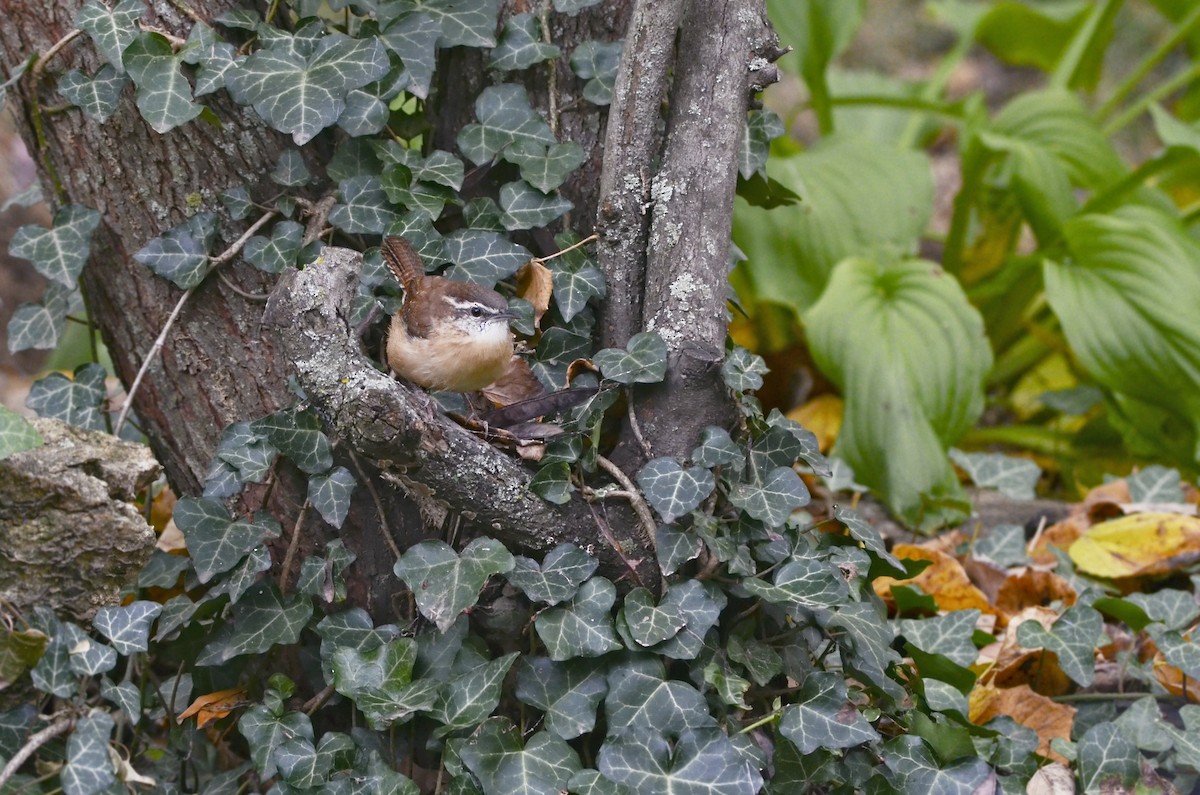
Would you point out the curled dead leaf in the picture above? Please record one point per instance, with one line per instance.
(214, 706)
(535, 283)
(518, 383)
(945, 581)
(1028, 587)
(1045, 716)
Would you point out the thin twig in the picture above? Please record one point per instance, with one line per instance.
(612, 542)
(216, 262)
(634, 427)
(593, 236)
(649, 526)
(260, 298)
(293, 546)
(31, 746)
(551, 69)
(314, 703)
(54, 50)
(383, 522)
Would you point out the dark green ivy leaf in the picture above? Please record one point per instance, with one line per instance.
(762, 127)
(917, 771)
(544, 167)
(39, 326)
(58, 253)
(181, 253)
(1013, 477)
(583, 627)
(127, 626)
(96, 96)
(644, 360)
(596, 62)
(568, 693)
(330, 494)
(571, 8)
(379, 681)
(267, 729)
(528, 208)
(112, 29)
(573, 290)
(521, 45)
(821, 716)
(75, 401)
(445, 583)
(805, 581)
(743, 370)
(467, 700)
(557, 578)
(463, 23)
(505, 118)
(701, 762)
(89, 767)
(364, 206)
(279, 251)
(164, 95)
(1073, 637)
(215, 541)
(649, 624)
(772, 500)
(672, 490)
(297, 434)
(483, 257)
(263, 618)
(413, 37)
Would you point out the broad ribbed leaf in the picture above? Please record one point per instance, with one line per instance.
(672, 490)
(364, 206)
(821, 716)
(89, 768)
(445, 583)
(164, 95)
(181, 253)
(96, 96)
(75, 401)
(58, 253)
(644, 360)
(505, 118)
(521, 45)
(528, 208)
(467, 700)
(949, 635)
(263, 618)
(649, 623)
(265, 731)
(818, 31)
(1125, 300)
(330, 494)
(583, 627)
(297, 434)
(483, 257)
(465, 23)
(1155, 484)
(127, 626)
(302, 96)
(215, 541)
(569, 693)
(702, 762)
(1013, 477)
(858, 197)
(808, 582)
(573, 290)
(112, 29)
(910, 355)
(557, 578)
(544, 167)
(596, 62)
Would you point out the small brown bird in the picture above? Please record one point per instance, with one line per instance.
(448, 335)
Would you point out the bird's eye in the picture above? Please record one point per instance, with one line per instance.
(476, 312)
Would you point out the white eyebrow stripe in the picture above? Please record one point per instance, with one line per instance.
(467, 305)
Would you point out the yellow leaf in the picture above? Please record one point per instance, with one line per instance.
(823, 416)
(1138, 545)
(945, 581)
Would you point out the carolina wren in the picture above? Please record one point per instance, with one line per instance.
(448, 335)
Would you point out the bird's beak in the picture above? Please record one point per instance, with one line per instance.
(506, 314)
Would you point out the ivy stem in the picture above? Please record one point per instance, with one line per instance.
(633, 495)
(221, 259)
(763, 721)
(570, 248)
(35, 742)
(293, 547)
(551, 69)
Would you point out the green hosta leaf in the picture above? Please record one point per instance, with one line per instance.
(1124, 302)
(215, 541)
(75, 401)
(277, 252)
(521, 45)
(1078, 627)
(672, 490)
(818, 30)
(483, 257)
(265, 730)
(330, 494)
(1173, 132)
(583, 627)
(445, 583)
(808, 582)
(821, 716)
(545, 167)
(505, 118)
(528, 208)
(364, 208)
(96, 96)
(58, 253)
(573, 290)
(304, 95)
(467, 700)
(701, 762)
(644, 360)
(772, 500)
(1155, 484)
(17, 434)
(910, 355)
(112, 29)
(1107, 758)
(597, 62)
(571, 8)
(917, 771)
(181, 253)
(164, 95)
(647, 622)
(1013, 477)
(414, 38)
(297, 434)
(557, 578)
(89, 767)
(762, 127)
(127, 626)
(858, 198)
(264, 618)
(569, 693)
(743, 370)
(39, 326)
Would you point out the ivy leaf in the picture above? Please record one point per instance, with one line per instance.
(17, 434)
(463, 23)
(89, 767)
(164, 95)
(330, 494)
(380, 682)
(916, 769)
(365, 113)
(414, 38)
(521, 45)
(96, 96)
(266, 730)
(297, 434)
(573, 7)
(420, 197)
(553, 483)
(583, 627)
(58, 253)
(821, 716)
(557, 578)
(701, 762)
(675, 548)
(441, 168)
(112, 30)
(573, 290)
(215, 541)
(672, 490)
(1107, 758)
(545, 764)
(700, 604)
(1013, 477)
(279, 251)
(648, 623)
(445, 583)
(949, 636)
(467, 700)
(762, 127)
(248, 452)
(644, 360)
(484, 257)
(1073, 637)
(181, 253)
(39, 326)
(772, 501)
(718, 449)
(866, 535)
(237, 202)
(127, 626)
(743, 370)
(364, 206)
(304, 95)
(597, 62)
(568, 693)
(213, 59)
(1155, 484)
(807, 582)
(640, 697)
(866, 642)
(528, 208)
(85, 656)
(290, 170)
(505, 117)
(544, 167)
(75, 401)
(264, 618)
